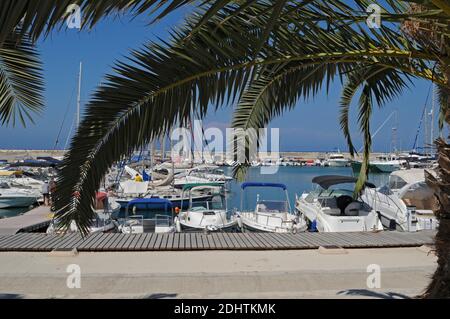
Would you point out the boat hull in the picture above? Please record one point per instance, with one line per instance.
(251, 223)
(16, 202)
(375, 168)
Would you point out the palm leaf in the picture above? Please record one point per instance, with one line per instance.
(21, 83)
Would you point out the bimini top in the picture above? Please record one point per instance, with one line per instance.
(254, 184)
(193, 185)
(326, 181)
(150, 201)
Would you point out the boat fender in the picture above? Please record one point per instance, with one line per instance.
(239, 221)
(313, 226)
(177, 225)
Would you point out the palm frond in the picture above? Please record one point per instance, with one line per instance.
(385, 84)
(21, 84)
(35, 17)
(365, 112)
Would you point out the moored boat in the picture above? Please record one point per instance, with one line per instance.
(333, 209)
(270, 215)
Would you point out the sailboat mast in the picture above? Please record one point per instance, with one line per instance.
(432, 120)
(79, 94)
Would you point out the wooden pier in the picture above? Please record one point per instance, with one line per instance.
(35, 219)
(214, 241)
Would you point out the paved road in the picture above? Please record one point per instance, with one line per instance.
(218, 274)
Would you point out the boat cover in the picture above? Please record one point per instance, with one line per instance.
(326, 181)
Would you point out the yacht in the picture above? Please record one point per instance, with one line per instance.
(209, 215)
(382, 164)
(337, 160)
(14, 197)
(333, 209)
(406, 202)
(270, 215)
(18, 179)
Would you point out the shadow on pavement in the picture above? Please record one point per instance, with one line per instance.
(373, 294)
(11, 296)
(161, 296)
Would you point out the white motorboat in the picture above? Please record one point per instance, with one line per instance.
(209, 215)
(13, 197)
(382, 164)
(330, 209)
(337, 160)
(105, 209)
(270, 215)
(135, 223)
(406, 200)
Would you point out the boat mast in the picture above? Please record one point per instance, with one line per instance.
(79, 94)
(425, 132)
(432, 120)
(163, 147)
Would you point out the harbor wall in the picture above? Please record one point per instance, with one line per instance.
(14, 155)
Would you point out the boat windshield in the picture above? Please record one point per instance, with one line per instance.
(217, 202)
(396, 182)
(327, 193)
(272, 207)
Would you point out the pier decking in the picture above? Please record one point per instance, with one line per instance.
(213, 241)
(35, 219)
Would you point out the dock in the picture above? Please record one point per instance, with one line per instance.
(35, 219)
(38, 242)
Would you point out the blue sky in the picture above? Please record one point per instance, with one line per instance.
(313, 125)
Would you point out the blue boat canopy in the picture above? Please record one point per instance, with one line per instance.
(150, 201)
(255, 184)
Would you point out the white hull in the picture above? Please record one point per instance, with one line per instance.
(204, 220)
(273, 223)
(338, 163)
(326, 222)
(16, 202)
(386, 167)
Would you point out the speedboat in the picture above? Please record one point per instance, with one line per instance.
(105, 210)
(136, 223)
(270, 215)
(209, 215)
(14, 197)
(333, 209)
(406, 200)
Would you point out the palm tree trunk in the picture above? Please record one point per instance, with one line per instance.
(440, 283)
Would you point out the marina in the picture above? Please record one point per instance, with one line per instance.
(224, 149)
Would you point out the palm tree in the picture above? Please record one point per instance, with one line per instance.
(266, 55)
(22, 22)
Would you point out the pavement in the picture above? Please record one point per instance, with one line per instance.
(38, 215)
(350, 273)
